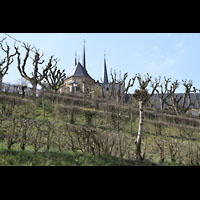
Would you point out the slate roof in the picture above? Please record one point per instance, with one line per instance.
(155, 97)
(79, 71)
(105, 75)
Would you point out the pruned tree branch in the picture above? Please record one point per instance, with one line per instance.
(6, 61)
(55, 77)
(164, 92)
(36, 76)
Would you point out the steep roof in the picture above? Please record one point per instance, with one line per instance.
(84, 62)
(79, 71)
(105, 75)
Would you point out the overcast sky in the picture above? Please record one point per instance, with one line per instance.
(174, 55)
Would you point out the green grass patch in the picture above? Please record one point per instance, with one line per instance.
(52, 158)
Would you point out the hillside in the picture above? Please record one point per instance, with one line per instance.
(70, 130)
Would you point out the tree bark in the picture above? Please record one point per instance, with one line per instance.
(161, 104)
(139, 136)
(34, 87)
(1, 81)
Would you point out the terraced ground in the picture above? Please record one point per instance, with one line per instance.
(73, 131)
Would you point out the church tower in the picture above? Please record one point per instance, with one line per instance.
(75, 58)
(84, 62)
(105, 75)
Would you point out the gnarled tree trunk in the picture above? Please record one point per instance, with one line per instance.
(1, 81)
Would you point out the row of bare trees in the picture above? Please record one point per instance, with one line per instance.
(49, 78)
(64, 137)
(27, 132)
(37, 135)
(175, 151)
(166, 92)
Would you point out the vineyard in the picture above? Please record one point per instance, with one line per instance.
(66, 124)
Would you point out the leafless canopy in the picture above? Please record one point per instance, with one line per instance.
(6, 61)
(55, 77)
(36, 76)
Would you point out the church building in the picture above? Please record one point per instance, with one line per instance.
(79, 79)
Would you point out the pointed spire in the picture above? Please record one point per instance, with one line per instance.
(84, 62)
(75, 58)
(105, 75)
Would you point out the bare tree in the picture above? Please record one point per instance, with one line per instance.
(112, 84)
(6, 61)
(55, 77)
(174, 98)
(187, 102)
(143, 97)
(164, 92)
(24, 125)
(118, 88)
(121, 87)
(129, 85)
(181, 104)
(174, 147)
(161, 146)
(13, 132)
(197, 100)
(36, 77)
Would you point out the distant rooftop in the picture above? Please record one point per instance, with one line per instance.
(79, 71)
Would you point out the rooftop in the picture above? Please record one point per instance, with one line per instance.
(79, 71)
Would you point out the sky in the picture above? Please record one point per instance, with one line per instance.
(174, 55)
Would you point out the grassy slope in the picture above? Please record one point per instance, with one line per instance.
(55, 158)
(28, 158)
